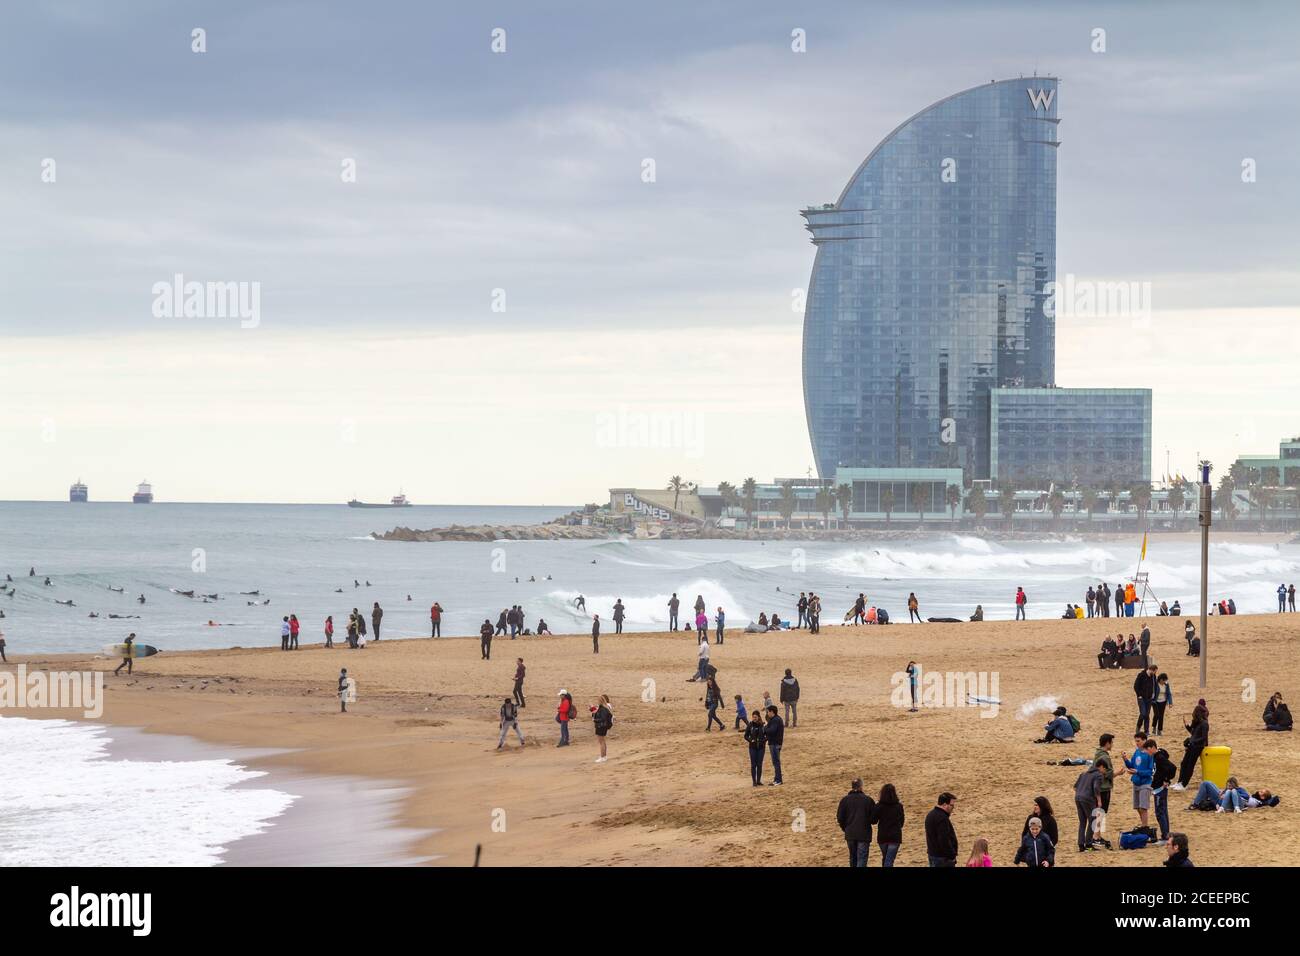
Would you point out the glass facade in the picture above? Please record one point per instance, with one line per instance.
(1091, 436)
(928, 285)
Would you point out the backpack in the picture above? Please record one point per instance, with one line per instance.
(1133, 841)
(1074, 722)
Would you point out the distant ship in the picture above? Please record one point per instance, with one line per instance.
(144, 494)
(78, 492)
(397, 501)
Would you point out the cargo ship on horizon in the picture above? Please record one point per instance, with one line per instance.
(397, 501)
(78, 492)
(143, 494)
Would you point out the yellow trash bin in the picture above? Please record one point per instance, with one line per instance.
(1214, 765)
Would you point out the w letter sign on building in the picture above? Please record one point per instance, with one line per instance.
(1042, 99)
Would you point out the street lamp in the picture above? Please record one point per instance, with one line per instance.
(1206, 505)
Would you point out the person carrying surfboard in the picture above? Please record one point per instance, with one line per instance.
(343, 690)
(128, 658)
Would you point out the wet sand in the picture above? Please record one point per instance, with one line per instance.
(426, 721)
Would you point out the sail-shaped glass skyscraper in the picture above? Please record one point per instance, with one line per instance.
(929, 282)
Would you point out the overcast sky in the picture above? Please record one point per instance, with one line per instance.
(648, 327)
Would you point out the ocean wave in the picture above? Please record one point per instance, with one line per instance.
(643, 611)
(893, 563)
(61, 783)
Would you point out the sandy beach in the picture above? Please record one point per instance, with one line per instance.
(426, 720)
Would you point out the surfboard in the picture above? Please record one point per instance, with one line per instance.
(136, 650)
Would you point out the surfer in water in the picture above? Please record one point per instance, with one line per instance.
(127, 660)
(580, 603)
(140, 599)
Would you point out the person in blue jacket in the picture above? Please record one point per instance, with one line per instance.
(1059, 730)
(1036, 848)
(1142, 766)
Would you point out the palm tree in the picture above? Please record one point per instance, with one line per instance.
(1177, 498)
(1089, 501)
(920, 498)
(1056, 504)
(887, 502)
(727, 492)
(1113, 491)
(953, 496)
(749, 488)
(676, 486)
(1223, 499)
(978, 504)
(825, 500)
(787, 502)
(1007, 504)
(1140, 495)
(844, 495)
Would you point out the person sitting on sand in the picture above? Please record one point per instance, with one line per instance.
(1277, 716)
(1069, 613)
(979, 613)
(775, 623)
(1131, 648)
(1060, 729)
(1175, 609)
(1109, 656)
(1164, 610)
(542, 628)
(762, 619)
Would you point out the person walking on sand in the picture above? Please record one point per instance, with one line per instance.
(721, 622)
(1087, 798)
(774, 734)
(1290, 597)
(913, 678)
(702, 625)
(712, 701)
(519, 682)
(790, 698)
(595, 634)
(618, 615)
(1163, 698)
(702, 667)
(741, 713)
(128, 657)
(913, 608)
(673, 605)
(1144, 642)
(563, 714)
(376, 616)
(329, 631)
(940, 838)
(485, 635)
(888, 817)
(602, 717)
(435, 620)
(1198, 736)
(344, 690)
(754, 736)
(294, 627)
(285, 631)
(509, 721)
(854, 815)
(1021, 600)
(1144, 686)
(502, 626)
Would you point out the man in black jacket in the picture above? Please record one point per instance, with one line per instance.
(774, 734)
(940, 837)
(1144, 685)
(854, 817)
(377, 617)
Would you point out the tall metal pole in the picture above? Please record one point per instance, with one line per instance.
(1206, 505)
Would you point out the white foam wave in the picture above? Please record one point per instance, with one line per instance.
(65, 802)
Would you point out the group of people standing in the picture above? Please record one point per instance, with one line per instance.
(356, 633)
(1098, 600)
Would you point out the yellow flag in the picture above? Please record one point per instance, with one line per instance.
(1144, 547)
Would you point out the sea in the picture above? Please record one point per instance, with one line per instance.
(319, 560)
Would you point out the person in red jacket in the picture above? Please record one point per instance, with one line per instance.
(293, 631)
(1021, 600)
(564, 713)
(435, 619)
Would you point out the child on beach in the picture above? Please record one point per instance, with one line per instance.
(979, 854)
(767, 701)
(741, 713)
